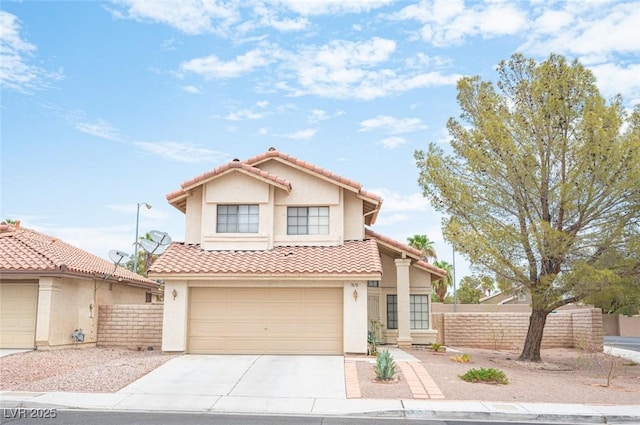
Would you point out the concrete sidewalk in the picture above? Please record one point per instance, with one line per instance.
(137, 398)
(440, 409)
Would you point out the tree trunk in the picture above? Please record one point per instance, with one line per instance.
(531, 350)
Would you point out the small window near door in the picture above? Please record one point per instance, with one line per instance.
(373, 283)
(419, 312)
(148, 297)
(392, 312)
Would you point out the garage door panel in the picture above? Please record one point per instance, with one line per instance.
(18, 307)
(265, 320)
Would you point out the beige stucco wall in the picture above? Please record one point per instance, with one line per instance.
(236, 188)
(346, 221)
(66, 304)
(193, 217)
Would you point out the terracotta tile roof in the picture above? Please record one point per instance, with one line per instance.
(352, 258)
(274, 153)
(223, 169)
(24, 250)
(410, 251)
(177, 197)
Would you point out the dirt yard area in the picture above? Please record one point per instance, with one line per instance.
(92, 370)
(564, 376)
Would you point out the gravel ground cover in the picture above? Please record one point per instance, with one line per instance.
(564, 376)
(98, 370)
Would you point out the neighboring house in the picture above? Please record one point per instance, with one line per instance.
(500, 298)
(49, 289)
(277, 260)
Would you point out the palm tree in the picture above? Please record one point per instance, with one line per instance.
(424, 244)
(440, 287)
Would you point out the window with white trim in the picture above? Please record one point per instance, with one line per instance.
(307, 220)
(237, 219)
(419, 312)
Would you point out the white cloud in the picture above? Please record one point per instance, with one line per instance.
(552, 21)
(317, 115)
(615, 79)
(183, 152)
(352, 70)
(262, 104)
(191, 89)
(188, 16)
(244, 114)
(262, 131)
(302, 134)
(211, 67)
(396, 202)
(334, 7)
(588, 30)
(392, 125)
(99, 128)
(393, 142)
(448, 22)
(15, 70)
(386, 219)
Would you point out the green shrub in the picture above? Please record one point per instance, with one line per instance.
(385, 366)
(437, 347)
(486, 375)
(461, 358)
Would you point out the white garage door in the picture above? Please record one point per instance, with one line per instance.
(18, 306)
(265, 321)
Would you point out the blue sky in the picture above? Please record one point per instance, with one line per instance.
(107, 104)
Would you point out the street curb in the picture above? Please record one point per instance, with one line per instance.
(409, 414)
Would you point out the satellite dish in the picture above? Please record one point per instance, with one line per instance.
(152, 247)
(117, 256)
(161, 238)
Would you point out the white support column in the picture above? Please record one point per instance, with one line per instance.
(402, 284)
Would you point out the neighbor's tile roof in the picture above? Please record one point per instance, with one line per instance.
(412, 252)
(352, 258)
(24, 250)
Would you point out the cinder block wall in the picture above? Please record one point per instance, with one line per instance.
(134, 327)
(573, 328)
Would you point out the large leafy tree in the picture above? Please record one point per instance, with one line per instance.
(424, 244)
(543, 183)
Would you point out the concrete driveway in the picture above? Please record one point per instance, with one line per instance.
(246, 376)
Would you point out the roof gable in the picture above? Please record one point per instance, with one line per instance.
(371, 201)
(405, 250)
(26, 251)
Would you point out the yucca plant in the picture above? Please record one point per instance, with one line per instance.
(385, 366)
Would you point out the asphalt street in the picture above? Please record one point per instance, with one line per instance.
(84, 417)
(624, 342)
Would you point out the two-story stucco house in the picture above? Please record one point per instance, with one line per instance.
(277, 259)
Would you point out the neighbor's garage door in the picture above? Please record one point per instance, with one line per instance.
(18, 305)
(265, 321)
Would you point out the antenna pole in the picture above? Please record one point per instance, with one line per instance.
(135, 253)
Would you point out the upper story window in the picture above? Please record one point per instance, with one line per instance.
(308, 221)
(237, 219)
